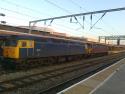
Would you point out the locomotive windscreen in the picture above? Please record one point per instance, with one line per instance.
(12, 43)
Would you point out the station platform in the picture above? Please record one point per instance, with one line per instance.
(108, 81)
(115, 52)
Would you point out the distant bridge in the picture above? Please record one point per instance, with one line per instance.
(117, 37)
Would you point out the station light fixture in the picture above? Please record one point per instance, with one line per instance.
(1, 14)
(3, 22)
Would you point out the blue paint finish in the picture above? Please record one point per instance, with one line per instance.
(22, 52)
(30, 52)
(26, 52)
(54, 49)
(45, 47)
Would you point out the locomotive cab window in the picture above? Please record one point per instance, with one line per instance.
(12, 43)
(26, 43)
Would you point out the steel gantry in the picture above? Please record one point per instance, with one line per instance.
(118, 38)
(75, 15)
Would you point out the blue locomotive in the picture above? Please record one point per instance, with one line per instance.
(27, 49)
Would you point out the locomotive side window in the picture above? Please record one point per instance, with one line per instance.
(2, 43)
(24, 44)
(89, 45)
(31, 44)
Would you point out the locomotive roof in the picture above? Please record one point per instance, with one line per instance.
(3, 37)
(37, 37)
(18, 35)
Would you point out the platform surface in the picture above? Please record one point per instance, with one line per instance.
(115, 84)
(108, 81)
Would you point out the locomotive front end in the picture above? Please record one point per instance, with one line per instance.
(10, 49)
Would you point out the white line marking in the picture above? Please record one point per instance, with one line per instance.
(62, 92)
(106, 80)
(102, 82)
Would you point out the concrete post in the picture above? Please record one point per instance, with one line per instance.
(118, 42)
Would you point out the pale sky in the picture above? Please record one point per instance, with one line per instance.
(20, 12)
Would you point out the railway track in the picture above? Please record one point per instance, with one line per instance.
(85, 74)
(51, 79)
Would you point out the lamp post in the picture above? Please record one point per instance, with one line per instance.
(3, 15)
(3, 22)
